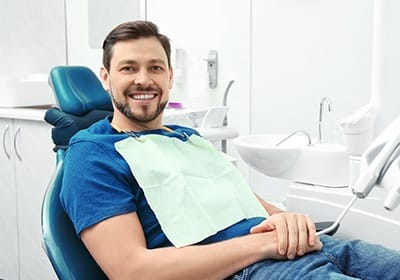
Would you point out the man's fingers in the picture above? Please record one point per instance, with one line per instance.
(303, 236)
(293, 235)
(311, 232)
(262, 227)
(282, 231)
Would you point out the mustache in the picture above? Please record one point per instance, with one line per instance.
(144, 89)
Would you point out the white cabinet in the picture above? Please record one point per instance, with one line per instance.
(35, 164)
(8, 205)
(26, 165)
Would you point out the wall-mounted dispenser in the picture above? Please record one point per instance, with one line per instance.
(212, 68)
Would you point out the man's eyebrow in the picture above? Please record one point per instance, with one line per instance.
(132, 62)
(162, 61)
(127, 61)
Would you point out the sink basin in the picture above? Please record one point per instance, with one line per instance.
(261, 153)
(295, 160)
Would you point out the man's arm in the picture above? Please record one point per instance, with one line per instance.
(295, 232)
(118, 245)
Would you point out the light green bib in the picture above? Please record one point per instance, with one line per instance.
(192, 189)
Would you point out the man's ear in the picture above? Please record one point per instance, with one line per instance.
(171, 78)
(104, 76)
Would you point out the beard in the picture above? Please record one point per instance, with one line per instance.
(138, 118)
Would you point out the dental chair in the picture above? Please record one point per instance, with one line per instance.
(81, 101)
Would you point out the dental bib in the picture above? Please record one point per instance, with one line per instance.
(192, 189)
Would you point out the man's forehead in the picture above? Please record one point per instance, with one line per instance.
(133, 50)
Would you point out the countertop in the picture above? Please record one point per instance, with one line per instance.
(24, 113)
(37, 113)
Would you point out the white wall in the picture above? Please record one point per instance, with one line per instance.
(385, 84)
(303, 51)
(88, 23)
(32, 36)
(32, 40)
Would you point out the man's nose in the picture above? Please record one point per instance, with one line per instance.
(142, 77)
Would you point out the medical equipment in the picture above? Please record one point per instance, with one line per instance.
(379, 158)
(381, 168)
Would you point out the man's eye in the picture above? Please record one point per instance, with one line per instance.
(157, 68)
(127, 69)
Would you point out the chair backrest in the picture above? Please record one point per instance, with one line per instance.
(66, 252)
(81, 100)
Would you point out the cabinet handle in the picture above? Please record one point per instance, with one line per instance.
(6, 130)
(15, 143)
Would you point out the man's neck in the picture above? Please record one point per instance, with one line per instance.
(122, 126)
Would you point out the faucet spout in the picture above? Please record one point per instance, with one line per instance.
(327, 101)
(305, 133)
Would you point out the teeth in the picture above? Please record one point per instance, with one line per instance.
(143, 96)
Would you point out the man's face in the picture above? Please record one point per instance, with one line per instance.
(139, 81)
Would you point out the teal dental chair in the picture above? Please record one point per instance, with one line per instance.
(81, 101)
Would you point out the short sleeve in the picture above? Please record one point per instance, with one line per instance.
(95, 185)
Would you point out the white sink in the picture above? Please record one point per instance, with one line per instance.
(295, 160)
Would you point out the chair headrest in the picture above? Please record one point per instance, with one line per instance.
(67, 125)
(78, 90)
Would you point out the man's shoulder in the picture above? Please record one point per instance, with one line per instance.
(98, 134)
(98, 129)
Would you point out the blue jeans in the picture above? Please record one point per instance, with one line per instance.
(338, 259)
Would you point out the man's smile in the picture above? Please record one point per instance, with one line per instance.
(142, 96)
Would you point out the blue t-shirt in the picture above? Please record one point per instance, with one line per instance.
(98, 184)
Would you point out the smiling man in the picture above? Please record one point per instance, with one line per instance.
(138, 78)
(159, 202)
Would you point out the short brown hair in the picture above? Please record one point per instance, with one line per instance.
(133, 30)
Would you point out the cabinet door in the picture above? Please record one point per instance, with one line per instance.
(35, 163)
(8, 205)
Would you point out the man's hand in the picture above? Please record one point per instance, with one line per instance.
(295, 232)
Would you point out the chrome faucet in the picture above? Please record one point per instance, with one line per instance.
(305, 133)
(324, 100)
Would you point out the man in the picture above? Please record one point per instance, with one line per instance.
(144, 206)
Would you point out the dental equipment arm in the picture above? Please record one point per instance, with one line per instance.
(370, 177)
(383, 164)
(383, 160)
(391, 180)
